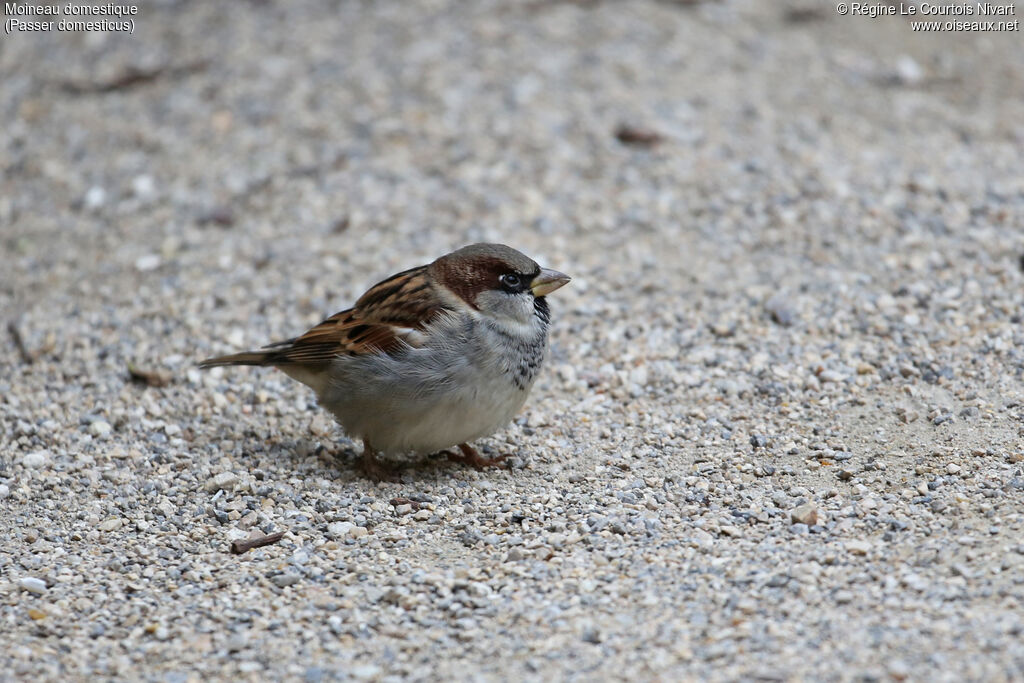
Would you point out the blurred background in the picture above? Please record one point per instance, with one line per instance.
(292, 153)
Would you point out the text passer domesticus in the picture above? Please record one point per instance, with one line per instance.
(430, 358)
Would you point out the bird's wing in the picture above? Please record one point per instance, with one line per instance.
(391, 315)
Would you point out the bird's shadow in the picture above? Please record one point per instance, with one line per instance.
(345, 457)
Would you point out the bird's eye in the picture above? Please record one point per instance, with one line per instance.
(510, 281)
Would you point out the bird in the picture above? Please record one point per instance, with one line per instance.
(429, 359)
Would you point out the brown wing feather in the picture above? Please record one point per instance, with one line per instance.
(374, 325)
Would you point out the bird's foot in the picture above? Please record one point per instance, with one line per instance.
(375, 469)
(470, 456)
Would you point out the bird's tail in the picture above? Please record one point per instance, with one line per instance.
(262, 357)
(275, 356)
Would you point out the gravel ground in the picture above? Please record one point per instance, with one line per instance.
(779, 433)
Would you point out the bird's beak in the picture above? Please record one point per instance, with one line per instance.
(547, 281)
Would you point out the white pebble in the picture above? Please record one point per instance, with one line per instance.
(858, 547)
(908, 70)
(100, 428)
(35, 459)
(832, 376)
(143, 185)
(236, 337)
(147, 262)
(639, 375)
(345, 530)
(32, 585)
(95, 197)
(365, 671)
(223, 481)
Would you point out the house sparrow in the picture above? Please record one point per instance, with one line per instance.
(430, 358)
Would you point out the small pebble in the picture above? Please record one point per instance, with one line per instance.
(147, 262)
(112, 524)
(35, 459)
(100, 428)
(95, 197)
(223, 481)
(283, 580)
(858, 547)
(804, 514)
(32, 585)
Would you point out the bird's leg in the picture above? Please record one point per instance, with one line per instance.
(471, 457)
(372, 467)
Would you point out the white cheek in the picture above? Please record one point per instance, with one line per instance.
(514, 314)
(517, 328)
